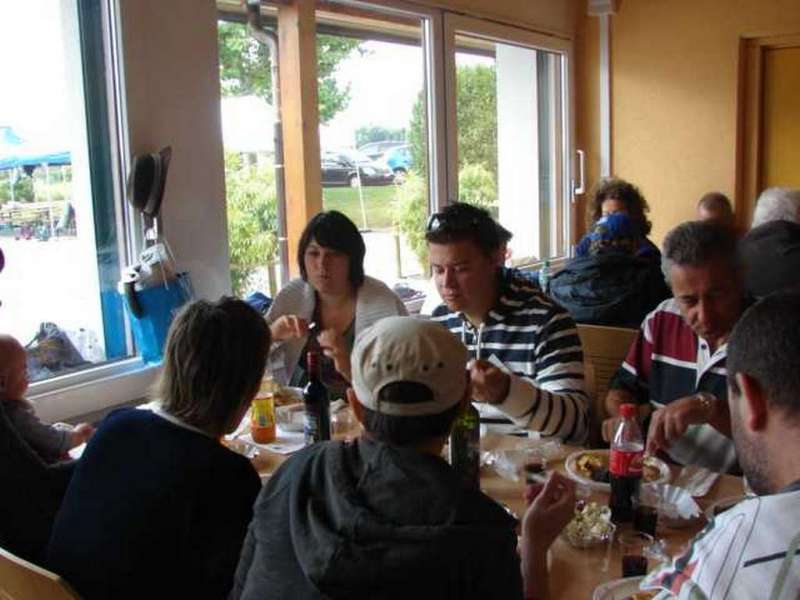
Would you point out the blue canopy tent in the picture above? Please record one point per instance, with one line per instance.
(16, 152)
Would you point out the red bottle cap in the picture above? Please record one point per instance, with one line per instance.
(627, 411)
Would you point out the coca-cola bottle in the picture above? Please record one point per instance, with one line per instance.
(625, 465)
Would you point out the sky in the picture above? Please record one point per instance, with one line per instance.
(32, 78)
(384, 84)
(384, 81)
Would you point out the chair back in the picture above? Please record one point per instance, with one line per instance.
(21, 580)
(604, 349)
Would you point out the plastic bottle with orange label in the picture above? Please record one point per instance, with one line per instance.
(262, 413)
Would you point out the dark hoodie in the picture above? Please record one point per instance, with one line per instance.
(369, 520)
(609, 289)
(771, 254)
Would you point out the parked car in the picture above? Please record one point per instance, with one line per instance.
(347, 166)
(398, 159)
(375, 149)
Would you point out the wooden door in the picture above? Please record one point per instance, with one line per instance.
(768, 152)
(781, 118)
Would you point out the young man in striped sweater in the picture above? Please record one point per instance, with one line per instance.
(527, 362)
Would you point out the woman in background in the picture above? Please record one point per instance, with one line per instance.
(612, 195)
(611, 285)
(157, 506)
(334, 295)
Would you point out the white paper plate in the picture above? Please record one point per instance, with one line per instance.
(571, 465)
(618, 589)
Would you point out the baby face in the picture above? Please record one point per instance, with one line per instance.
(14, 377)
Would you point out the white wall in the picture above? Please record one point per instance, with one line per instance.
(173, 98)
(518, 148)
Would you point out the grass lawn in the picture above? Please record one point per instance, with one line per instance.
(378, 203)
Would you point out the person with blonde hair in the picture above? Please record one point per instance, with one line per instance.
(157, 504)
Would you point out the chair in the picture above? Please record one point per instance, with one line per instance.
(604, 349)
(21, 580)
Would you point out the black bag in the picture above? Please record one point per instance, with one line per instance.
(51, 351)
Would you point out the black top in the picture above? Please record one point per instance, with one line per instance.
(367, 520)
(30, 494)
(771, 254)
(153, 510)
(609, 289)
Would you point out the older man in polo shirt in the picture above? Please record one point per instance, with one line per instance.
(677, 362)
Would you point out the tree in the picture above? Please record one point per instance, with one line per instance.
(475, 186)
(376, 133)
(252, 219)
(245, 69)
(476, 114)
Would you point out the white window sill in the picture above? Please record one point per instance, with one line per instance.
(91, 390)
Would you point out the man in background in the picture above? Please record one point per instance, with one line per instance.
(716, 206)
(771, 249)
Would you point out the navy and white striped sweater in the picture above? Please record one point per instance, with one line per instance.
(538, 343)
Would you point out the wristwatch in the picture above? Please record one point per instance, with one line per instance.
(707, 401)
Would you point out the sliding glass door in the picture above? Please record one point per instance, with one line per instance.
(508, 131)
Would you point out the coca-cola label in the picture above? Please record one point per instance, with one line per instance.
(624, 463)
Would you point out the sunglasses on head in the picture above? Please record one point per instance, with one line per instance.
(457, 221)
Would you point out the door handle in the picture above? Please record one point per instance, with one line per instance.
(580, 188)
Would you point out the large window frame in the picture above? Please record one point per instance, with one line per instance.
(124, 379)
(562, 95)
(439, 46)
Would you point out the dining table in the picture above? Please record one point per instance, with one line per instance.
(574, 572)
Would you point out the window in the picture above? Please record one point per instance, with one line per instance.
(61, 218)
(419, 107)
(248, 122)
(509, 131)
(373, 100)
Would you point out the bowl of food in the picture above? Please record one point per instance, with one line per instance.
(591, 526)
(590, 467)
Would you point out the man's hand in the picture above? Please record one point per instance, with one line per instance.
(552, 507)
(671, 422)
(287, 327)
(489, 384)
(334, 347)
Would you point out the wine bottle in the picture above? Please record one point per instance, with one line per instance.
(317, 424)
(465, 446)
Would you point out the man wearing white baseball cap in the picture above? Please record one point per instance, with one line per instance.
(385, 516)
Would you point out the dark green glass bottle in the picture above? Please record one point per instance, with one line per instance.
(465, 446)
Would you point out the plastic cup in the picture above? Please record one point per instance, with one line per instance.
(633, 549)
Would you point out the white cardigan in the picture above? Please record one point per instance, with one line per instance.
(374, 301)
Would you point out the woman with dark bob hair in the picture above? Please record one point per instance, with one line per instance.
(610, 196)
(157, 504)
(334, 294)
